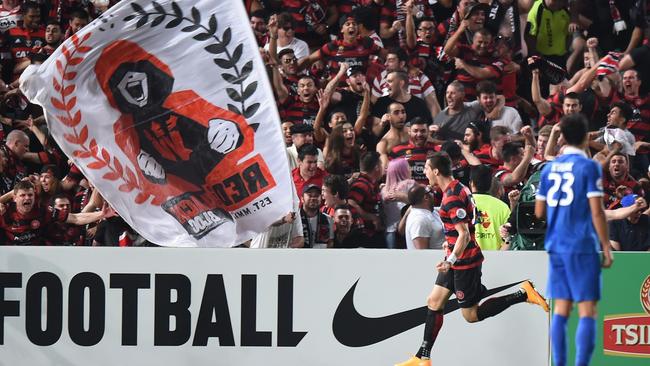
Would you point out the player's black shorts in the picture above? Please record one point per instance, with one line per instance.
(465, 283)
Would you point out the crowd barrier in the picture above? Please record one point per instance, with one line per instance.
(167, 306)
(623, 337)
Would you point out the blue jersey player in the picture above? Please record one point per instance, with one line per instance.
(571, 195)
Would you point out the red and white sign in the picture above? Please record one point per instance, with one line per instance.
(166, 107)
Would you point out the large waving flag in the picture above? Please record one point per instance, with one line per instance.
(166, 107)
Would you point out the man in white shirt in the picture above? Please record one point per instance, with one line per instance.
(486, 92)
(424, 229)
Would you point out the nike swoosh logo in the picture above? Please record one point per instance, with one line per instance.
(355, 330)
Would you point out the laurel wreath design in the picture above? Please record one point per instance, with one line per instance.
(645, 295)
(227, 60)
(65, 102)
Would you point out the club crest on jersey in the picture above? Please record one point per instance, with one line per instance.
(35, 224)
(461, 213)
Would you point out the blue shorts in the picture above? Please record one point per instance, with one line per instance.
(574, 277)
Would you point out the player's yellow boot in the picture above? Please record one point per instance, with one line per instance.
(533, 296)
(415, 361)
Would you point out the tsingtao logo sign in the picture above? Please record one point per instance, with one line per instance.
(628, 335)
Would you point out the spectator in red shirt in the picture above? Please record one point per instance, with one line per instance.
(351, 48)
(307, 171)
(303, 107)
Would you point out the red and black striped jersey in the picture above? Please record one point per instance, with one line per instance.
(467, 54)
(639, 125)
(458, 207)
(484, 154)
(305, 12)
(10, 18)
(416, 156)
(365, 193)
(28, 229)
(501, 174)
(354, 54)
(392, 10)
(21, 41)
(291, 83)
(295, 110)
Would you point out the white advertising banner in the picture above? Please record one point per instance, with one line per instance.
(167, 306)
(166, 107)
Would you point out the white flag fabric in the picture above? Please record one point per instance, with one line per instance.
(166, 107)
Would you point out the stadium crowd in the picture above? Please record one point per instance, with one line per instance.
(367, 91)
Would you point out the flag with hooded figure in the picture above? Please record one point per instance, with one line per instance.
(166, 107)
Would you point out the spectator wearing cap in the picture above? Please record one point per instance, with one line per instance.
(318, 227)
(424, 229)
(418, 86)
(633, 232)
(302, 135)
(282, 36)
(307, 171)
(350, 48)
